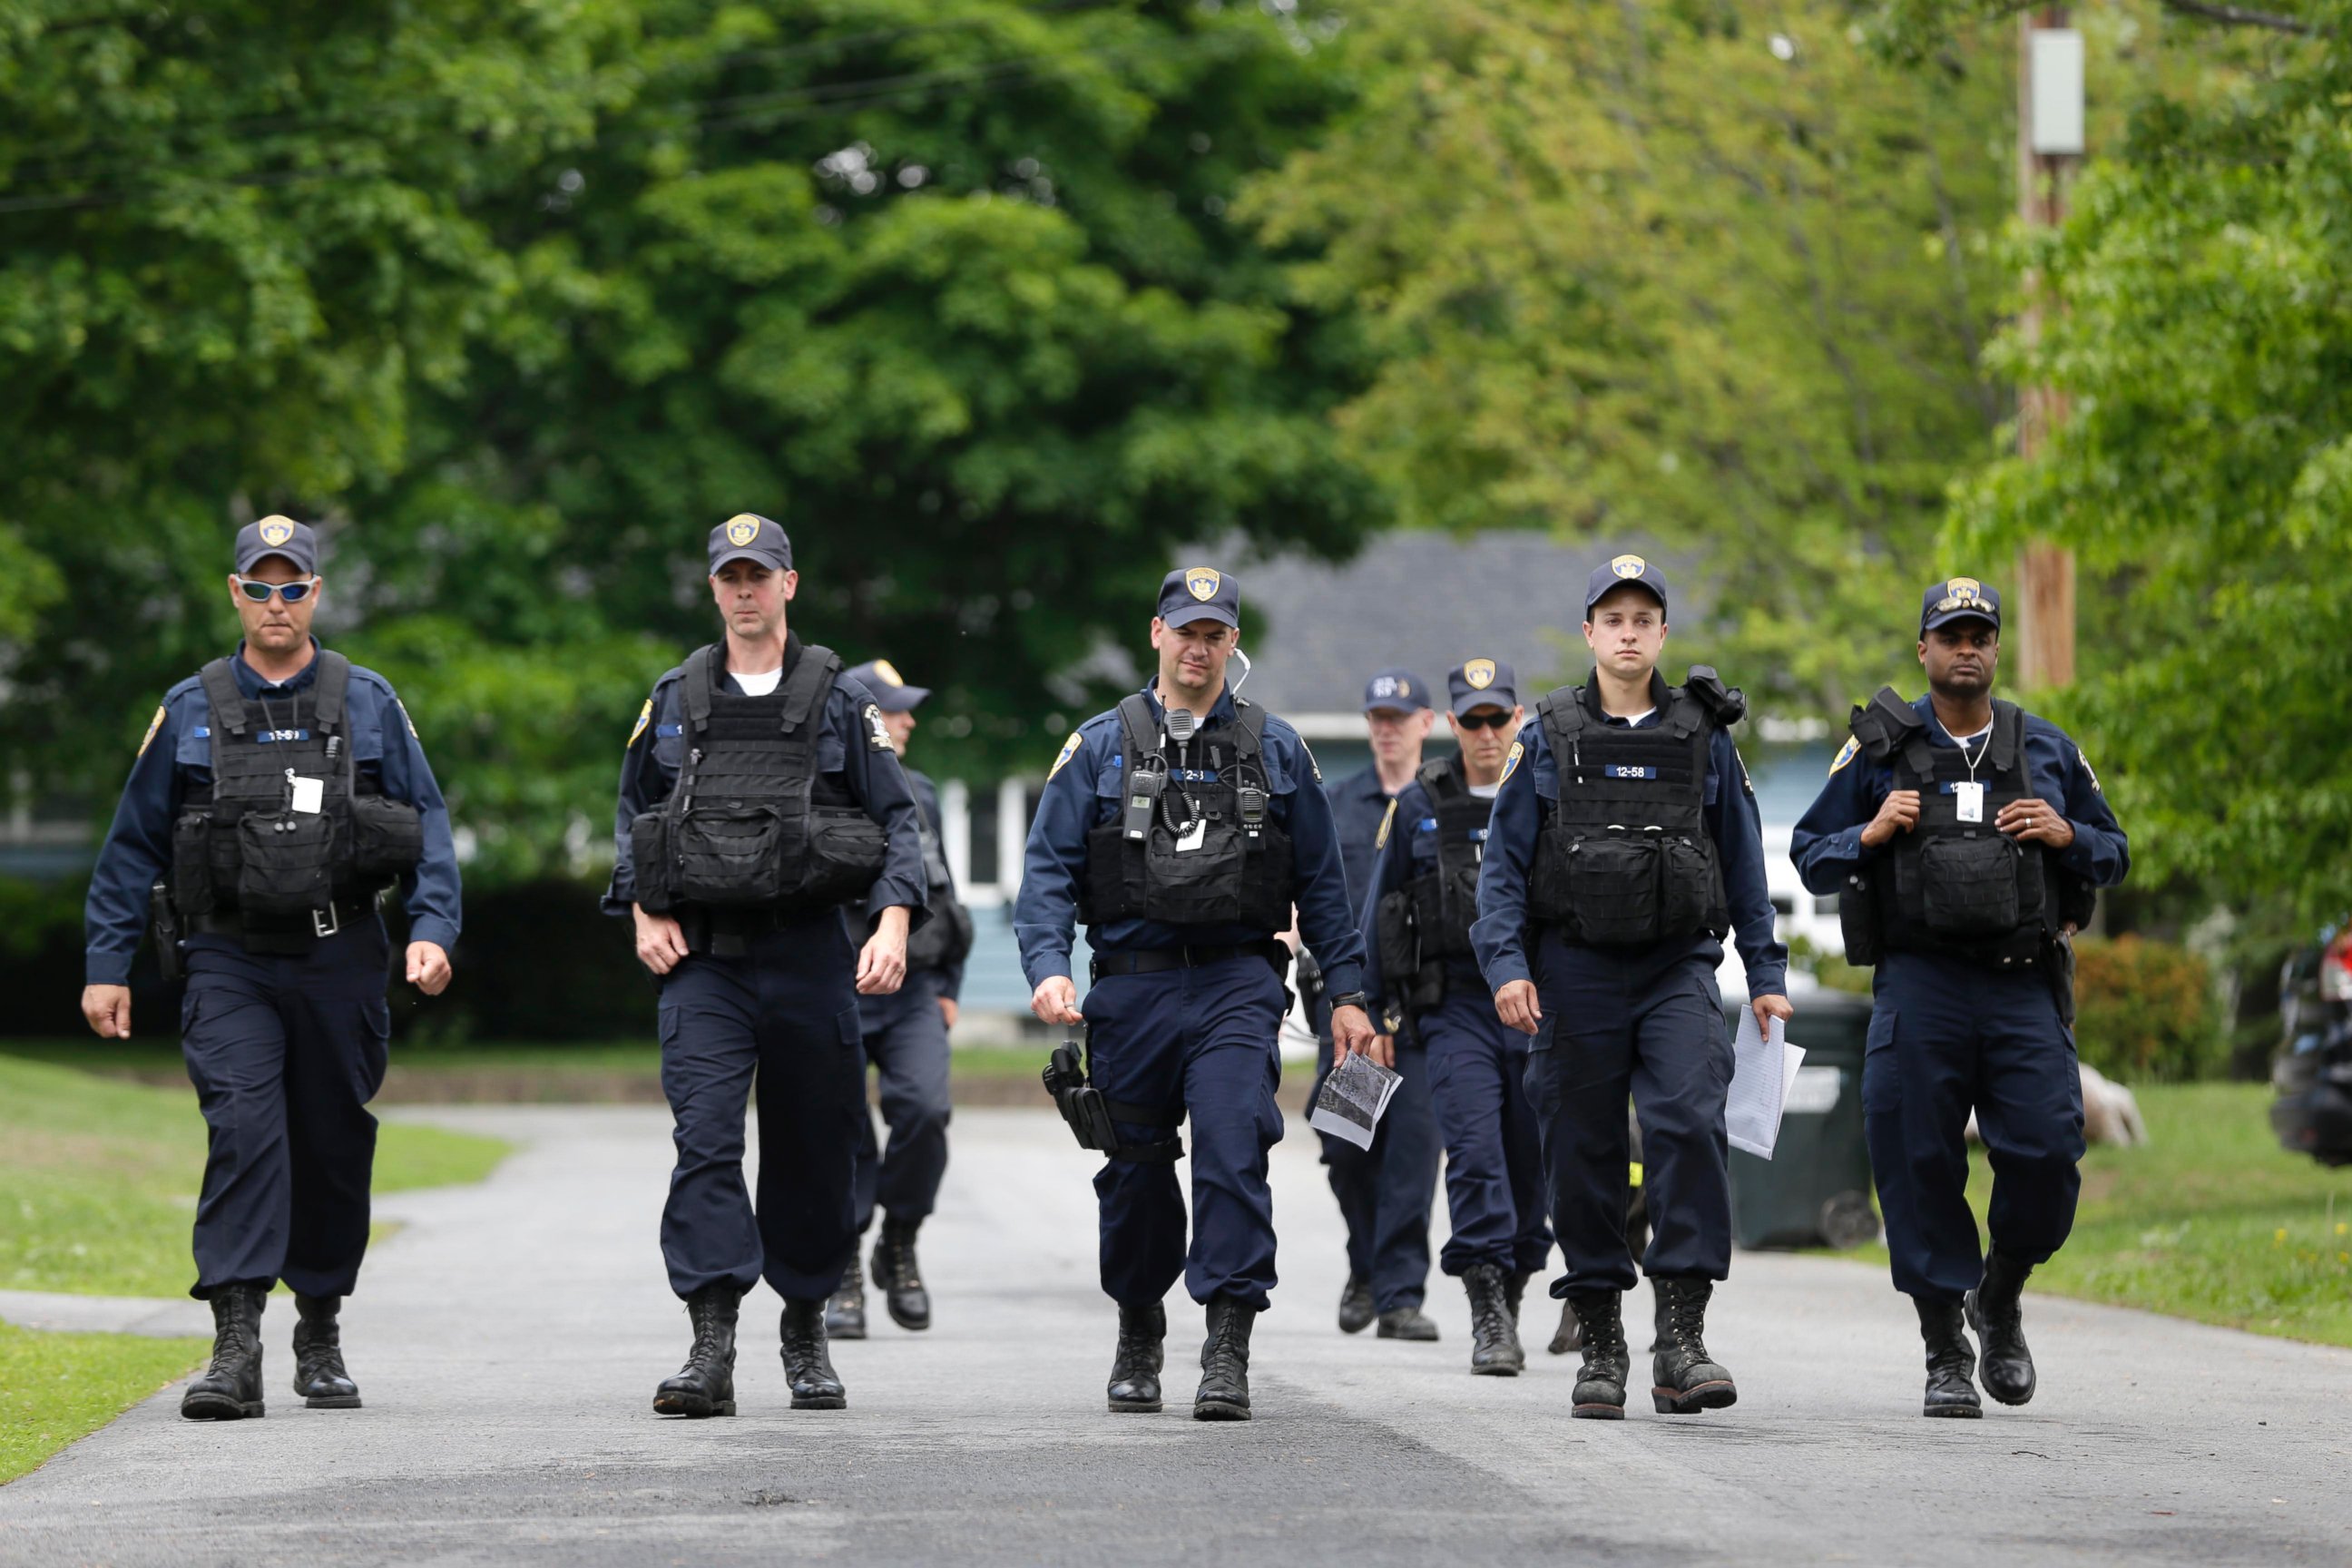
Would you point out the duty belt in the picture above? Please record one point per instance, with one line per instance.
(1158, 960)
(285, 936)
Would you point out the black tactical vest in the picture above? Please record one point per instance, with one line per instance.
(1192, 846)
(751, 828)
(1426, 923)
(1624, 858)
(1965, 890)
(239, 845)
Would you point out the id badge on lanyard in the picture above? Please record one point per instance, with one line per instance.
(1969, 801)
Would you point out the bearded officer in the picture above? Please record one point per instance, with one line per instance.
(280, 791)
(1384, 1191)
(759, 797)
(1181, 827)
(1421, 898)
(1964, 837)
(1625, 843)
(907, 1043)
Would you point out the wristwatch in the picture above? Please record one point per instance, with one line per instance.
(1351, 999)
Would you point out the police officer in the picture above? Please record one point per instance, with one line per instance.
(1964, 837)
(759, 796)
(907, 1040)
(1625, 843)
(1181, 827)
(1384, 1192)
(278, 794)
(1418, 908)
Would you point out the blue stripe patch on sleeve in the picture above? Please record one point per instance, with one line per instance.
(668, 732)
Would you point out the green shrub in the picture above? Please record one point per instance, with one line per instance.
(2145, 1012)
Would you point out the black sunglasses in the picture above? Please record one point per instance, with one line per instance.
(1494, 718)
(292, 593)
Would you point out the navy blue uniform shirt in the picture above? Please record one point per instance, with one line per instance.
(1083, 793)
(927, 801)
(178, 753)
(1409, 852)
(846, 748)
(1358, 806)
(1828, 844)
(1531, 776)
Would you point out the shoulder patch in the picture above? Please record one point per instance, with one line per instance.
(156, 723)
(877, 733)
(644, 717)
(2079, 757)
(1511, 762)
(1845, 754)
(1380, 839)
(1069, 749)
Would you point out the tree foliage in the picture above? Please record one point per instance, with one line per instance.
(519, 299)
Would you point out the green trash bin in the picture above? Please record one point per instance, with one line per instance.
(1815, 1190)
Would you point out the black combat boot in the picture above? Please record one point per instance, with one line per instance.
(1494, 1337)
(1570, 1335)
(806, 1364)
(1356, 1305)
(1687, 1379)
(844, 1315)
(705, 1385)
(898, 1277)
(1224, 1362)
(318, 1375)
(1601, 1330)
(1135, 1365)
(230, 1389)
(1951, 1363)
(1406, 1323)
(1515, 1291)
(1999, 1318)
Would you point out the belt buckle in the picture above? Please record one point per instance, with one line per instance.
(325, 922)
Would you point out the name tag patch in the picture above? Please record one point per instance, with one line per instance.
(1628, 770)
(269, 737)
(668, 732)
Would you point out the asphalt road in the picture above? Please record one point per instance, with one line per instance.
(510, 1337)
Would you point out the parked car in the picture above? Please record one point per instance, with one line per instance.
(2313, 1112)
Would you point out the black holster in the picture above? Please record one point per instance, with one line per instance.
(2058, 968)
(163, 924)
(1093, 1118)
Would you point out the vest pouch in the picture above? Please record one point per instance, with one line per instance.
(946, 938)
(729, 855)
(1690, 898)
(1968, 885)
(1269, 883)
(846, 850)
(387, 838)
(1614, 888)
(191, 862)
(1393, 929)
(227, 862)
(1859, 920)
(285, 862)
(649, 853)
(1198, 884)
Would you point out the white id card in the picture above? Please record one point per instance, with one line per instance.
(1970, 799)
(1192, 836)
(310, 794)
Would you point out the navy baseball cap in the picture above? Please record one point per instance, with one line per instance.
(1395, 691)
(276, 535)
(891, 693)
(1482, 683)
(1622, 570)
(1958, 599)
(748, 536)
(1193, 593)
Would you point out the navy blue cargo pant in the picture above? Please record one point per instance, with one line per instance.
(906, 1040)
(1494, 1154)
(1946, 1036)
(1202, 1039)
(1385, 1191)
(1647, 1022)
(780, 1024)
(285, 1052)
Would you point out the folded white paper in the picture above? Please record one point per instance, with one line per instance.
(1352, 1099)
(1763, 1069)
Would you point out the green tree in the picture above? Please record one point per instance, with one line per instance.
(1709, 273)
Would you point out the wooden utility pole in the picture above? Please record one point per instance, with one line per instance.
(2042, 629)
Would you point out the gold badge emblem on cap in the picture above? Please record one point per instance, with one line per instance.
(889, 672)
(1629, 565)
(743, 529)
(276, 531)
(1202, 583)
(1479, 673)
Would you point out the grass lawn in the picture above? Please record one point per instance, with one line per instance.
(55, 1388)
(2211, 1220)
(98, 1179)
